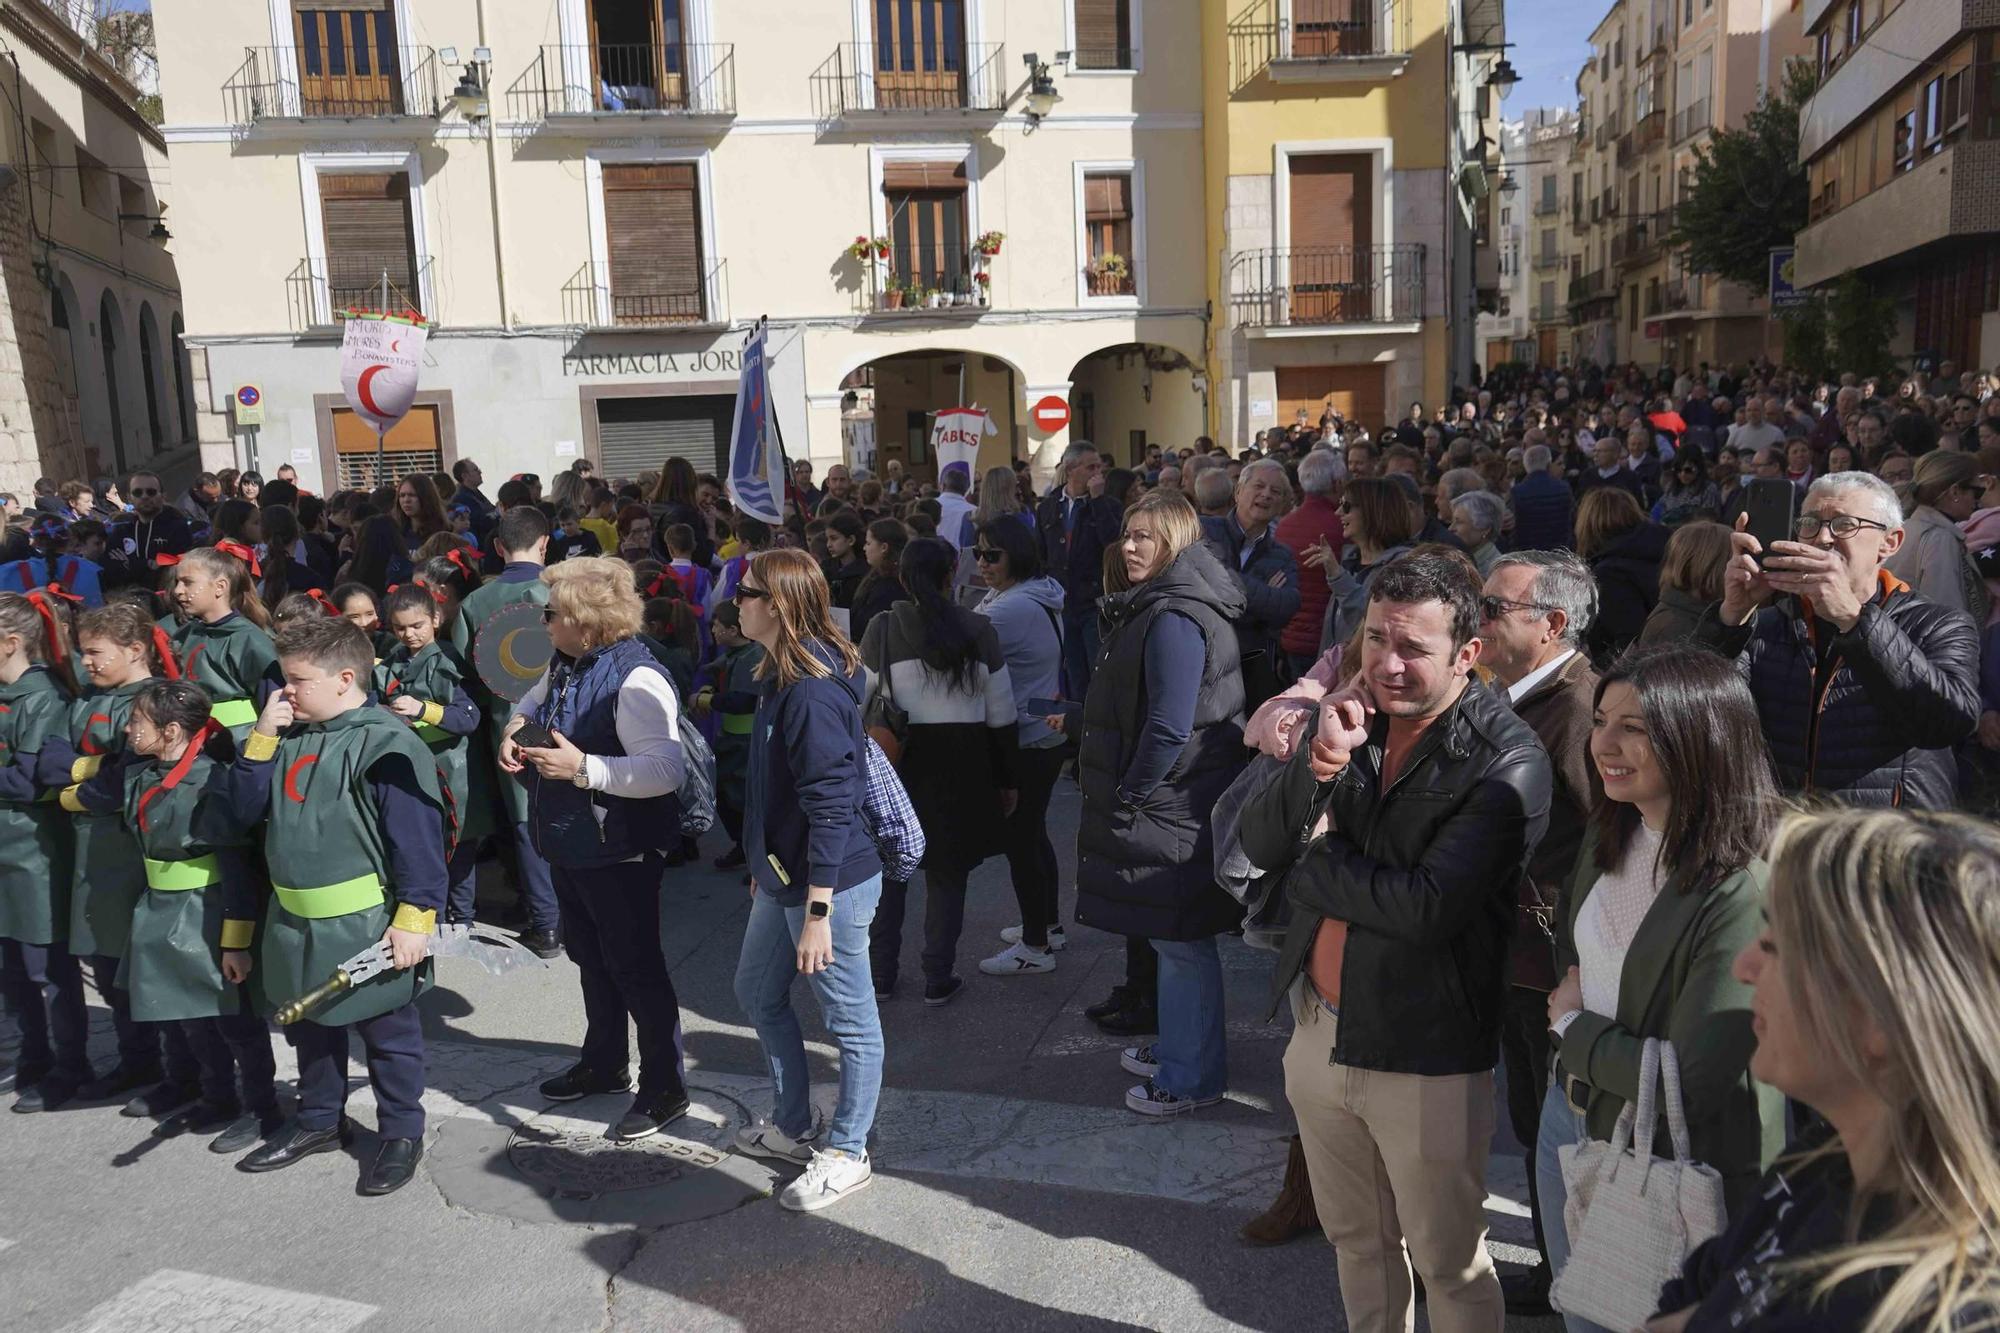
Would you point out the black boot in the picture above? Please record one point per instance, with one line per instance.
(1120, 998)
(1137, 1019)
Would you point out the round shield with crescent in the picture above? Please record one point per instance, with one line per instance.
(512, 649)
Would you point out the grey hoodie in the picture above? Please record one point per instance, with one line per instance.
(1032, 640)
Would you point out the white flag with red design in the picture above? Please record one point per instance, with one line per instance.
(379, 359)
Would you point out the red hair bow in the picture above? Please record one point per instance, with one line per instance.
(39, 599)
(243, 553)
(163, 560)
(182, 767)
(164, 646)
(458, 557)
(326, 603)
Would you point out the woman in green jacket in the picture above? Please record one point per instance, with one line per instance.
(1669, 887)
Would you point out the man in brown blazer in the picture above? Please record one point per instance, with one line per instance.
(1537, 607)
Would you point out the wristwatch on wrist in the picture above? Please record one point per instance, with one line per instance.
(581, 778)
(818, 910)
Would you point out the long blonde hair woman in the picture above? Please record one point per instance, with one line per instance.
(1876, 1003)
(816, 876)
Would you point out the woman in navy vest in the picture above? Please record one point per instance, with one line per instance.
(602, 812)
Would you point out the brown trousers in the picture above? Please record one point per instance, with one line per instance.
(1396, 1161)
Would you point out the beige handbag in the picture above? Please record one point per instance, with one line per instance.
(1633, 1218)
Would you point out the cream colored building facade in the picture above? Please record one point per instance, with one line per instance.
(92, 381)
(648, 178)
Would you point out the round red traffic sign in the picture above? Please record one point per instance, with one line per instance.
(1051, 414)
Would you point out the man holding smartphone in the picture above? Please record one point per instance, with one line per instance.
(1863, 686)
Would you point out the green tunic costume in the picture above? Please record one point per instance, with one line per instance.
(230, 659)
(329, 866)
(35, 845)
(475, 611)
(110, 873)
(435, 674)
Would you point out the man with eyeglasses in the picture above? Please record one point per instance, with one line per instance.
(1863, 686)
(153, 528)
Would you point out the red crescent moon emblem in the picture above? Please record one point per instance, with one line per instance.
(361, 390)
(91, 745)
(395, 344)
(292, 777)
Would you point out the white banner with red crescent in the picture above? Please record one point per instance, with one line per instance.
(379, 359)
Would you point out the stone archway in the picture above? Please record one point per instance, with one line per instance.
(110, 334)
(183, 377)
(1127, 397)
(898, 395)
(153, 375)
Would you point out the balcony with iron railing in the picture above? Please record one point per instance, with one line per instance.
(595, 298)
(379, 82)
(1547, 205)
(1608, 132)
(1691, 119)
(1638, 241)
(1326, 285)
(319, 290)
(1104, 59)
(617, 79)
(878, 79)
(1610, 201)
(1545, 259)
(1318, 41)
(934, 281)
(1588, 287)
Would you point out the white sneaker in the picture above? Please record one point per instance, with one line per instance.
(831, 1177)
(1140, 1060)
(765, 1139)
(1057, 940)
(1018, 960)
(1151, 1099)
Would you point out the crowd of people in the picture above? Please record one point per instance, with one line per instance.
(1537, 756)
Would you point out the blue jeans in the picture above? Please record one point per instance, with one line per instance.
(1559, 1129)
(846, 992)
(1079, 649)
(1192, 1049)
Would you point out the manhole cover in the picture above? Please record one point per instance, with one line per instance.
(567, 1151)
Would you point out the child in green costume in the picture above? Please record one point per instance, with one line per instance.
(224, 642)
(731, 695)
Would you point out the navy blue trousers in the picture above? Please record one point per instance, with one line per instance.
(138, 1043)
(394, 1043)
(233, 1052)
(611, 930)
(45, 988)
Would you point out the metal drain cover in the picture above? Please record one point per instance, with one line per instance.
(567, 1153)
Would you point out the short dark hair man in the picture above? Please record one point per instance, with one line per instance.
(152, 529)
(1395, 964)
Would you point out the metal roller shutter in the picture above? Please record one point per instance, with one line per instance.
(637, 435)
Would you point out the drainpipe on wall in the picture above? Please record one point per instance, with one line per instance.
(493, 185)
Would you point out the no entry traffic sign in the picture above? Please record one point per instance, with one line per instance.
(1050, 414)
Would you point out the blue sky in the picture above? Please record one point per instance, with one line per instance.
(1551, 39)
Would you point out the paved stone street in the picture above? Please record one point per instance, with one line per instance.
(1012, 1188)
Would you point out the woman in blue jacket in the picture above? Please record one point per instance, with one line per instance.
(817, 878)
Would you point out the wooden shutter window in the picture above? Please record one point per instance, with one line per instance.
(1103, 34)
(902, 176)
(1107, 198)
(651, 222)
(366, 220)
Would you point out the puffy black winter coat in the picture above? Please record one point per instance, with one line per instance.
(1628, 586)
(1148, 867)
(1905, 690)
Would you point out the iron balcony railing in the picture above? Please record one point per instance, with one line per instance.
(319, 289)
(1547, 205)
(341, 82)
(1304, 32)
(660, 78)
(862, 78)
(1691, 119)
(1104, 57)
(1639, 239)
(1330, 284)
(931, 278)
(1586, 287)
(1546, 259)
(1649, 130)
(593, 298)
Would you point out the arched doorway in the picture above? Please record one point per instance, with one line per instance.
(183, 378)
(153, 371)
(894, 400)
(1124, 398)
(108, 339)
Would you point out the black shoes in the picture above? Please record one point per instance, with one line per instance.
(542, 943)
(395, 1162)
(939, 993)
(245, 1130)
(650, 1113)
(204, 1117)
(1527, 1293)
(162, 1099)
(54, 1091)
(294, 1141)
(1137, 1019)
(580, 1082)
(1121, 997)
(731, 859)
(123, 1078)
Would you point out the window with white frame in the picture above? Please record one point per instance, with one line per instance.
(1107, 223)
(1105, 35)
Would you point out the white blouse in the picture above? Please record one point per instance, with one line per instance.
(1610, 917)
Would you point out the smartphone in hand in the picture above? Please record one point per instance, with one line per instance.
(1772, 504)
(534, 736)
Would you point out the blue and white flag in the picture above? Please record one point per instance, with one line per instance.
(756, 457)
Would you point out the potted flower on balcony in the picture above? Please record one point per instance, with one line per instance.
(1108, 273)
(985, 285)
(988, 244)
(891, 294)
(867, 248)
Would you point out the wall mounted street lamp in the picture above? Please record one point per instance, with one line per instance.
(158, 231)
(1504, 75)
(470, 95)
(1042, 94)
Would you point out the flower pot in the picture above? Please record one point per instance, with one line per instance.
(892, 299)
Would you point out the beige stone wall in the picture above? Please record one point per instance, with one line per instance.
(37, 439)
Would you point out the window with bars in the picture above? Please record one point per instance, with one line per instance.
(365, 217)
(1110, 267)
(929, 246)
(652, 228)
(1104, 35)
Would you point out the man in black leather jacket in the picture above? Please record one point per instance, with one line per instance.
(1395, 964)
(1863, 686)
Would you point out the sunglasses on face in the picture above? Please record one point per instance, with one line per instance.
(746, 593)
(144, 490)
(987, 556)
